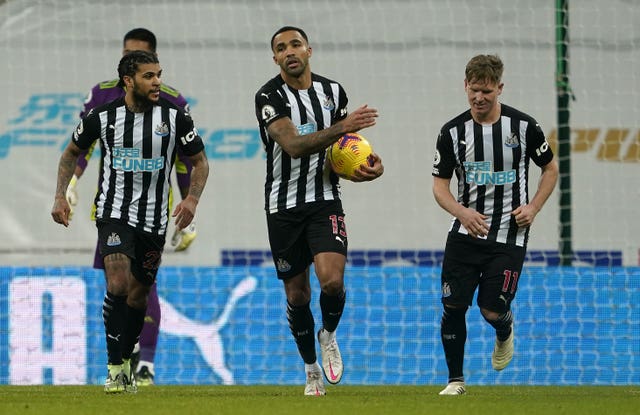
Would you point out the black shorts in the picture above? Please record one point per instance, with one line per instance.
(296, 235)
(144, 249)
(494, 268)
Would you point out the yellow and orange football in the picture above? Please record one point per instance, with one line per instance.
(348, 153)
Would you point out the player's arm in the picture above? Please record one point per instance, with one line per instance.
(285, 133)
(90, 101)
(83, 161)
(182, 164)
(81, 164)
(191, 144)
(443, 166)
(61, 209)
(472, 220)
(85, 134)
(540, 152)
(525, 214)
(186, 209)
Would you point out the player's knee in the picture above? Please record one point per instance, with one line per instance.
(117, 286)
(490, 316)
(298, 298)
(137, 302)
(298, 294)
(137, 297)
(117, 283)
(333, 286)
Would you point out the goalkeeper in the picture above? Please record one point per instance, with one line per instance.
(105, 92)
(489, 148)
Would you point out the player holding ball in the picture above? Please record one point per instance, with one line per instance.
(300, 114)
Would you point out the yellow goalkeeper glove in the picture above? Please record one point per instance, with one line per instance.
(72, 194)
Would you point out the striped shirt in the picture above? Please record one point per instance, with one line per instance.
(294, 182)
(137, 150)
(108, 91)
(491, 163)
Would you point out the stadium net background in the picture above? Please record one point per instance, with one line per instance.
(407, 59)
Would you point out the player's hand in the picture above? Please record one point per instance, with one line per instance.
(369, 171)
(184, 212)
(474, 222)
(61, 211)
(72, 195)
(524, 215)
(362, 117)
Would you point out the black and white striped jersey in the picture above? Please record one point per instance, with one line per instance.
(293, 182)
(491, 163)
(138, 150)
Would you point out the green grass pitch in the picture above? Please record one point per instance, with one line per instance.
(289, 400)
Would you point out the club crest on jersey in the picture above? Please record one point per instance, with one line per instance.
(512, 141)
(283, 265)
(113, 239)
(162, 129)
(328, 104)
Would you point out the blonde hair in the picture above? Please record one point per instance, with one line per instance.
(484, 68)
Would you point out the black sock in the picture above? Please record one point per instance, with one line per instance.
(302, 327)
(133, 327)
(453, 331)
(114, 310)
(502, 325)
(332, 307)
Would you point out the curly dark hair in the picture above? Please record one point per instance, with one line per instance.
(129, 63)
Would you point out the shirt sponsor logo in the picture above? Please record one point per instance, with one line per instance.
(480, 173)
(129, 159)
(307, 128)
(486, 177)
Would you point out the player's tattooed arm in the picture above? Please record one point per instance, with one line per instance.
(199, 174)
(286, 135)
(61, 210)
(186, 209)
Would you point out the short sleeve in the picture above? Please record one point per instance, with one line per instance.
(187, 136)
(270, 106)
(537, 146)
(87, 131)
(341, 110)
(444, 161)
